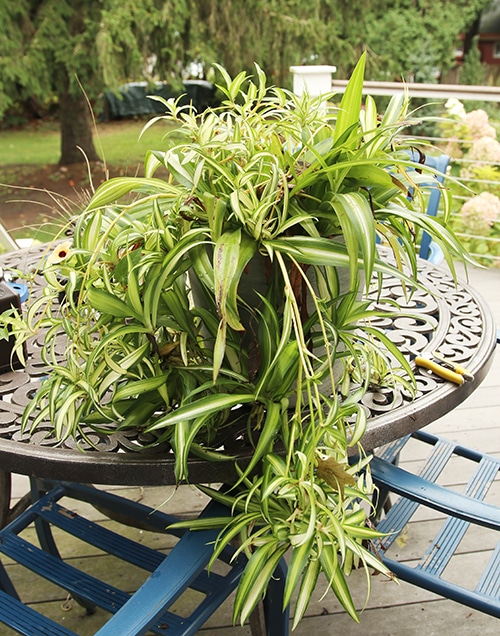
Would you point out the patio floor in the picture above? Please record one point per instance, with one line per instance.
(392, 609)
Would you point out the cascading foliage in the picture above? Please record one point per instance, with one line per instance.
(305, 191)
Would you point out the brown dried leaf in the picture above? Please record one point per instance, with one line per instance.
(168, 348)
(335, 474)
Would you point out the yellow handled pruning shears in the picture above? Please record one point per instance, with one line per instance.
(444, 368)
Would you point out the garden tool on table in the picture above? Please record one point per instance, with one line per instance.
(444, 368)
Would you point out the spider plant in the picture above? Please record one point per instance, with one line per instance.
(267, 182)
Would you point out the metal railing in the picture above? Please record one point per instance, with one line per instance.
(431, 91)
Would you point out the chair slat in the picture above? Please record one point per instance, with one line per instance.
(390, 452)
(446, 542)
(61, 573)
(135, 553)
(26, 620)
(489, 584)
(100, 537)
(404, 509)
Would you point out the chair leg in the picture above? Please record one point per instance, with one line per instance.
(258, 621)
(382, 499)
(7, 514)
(6, 583)
(5, 489)
(5, 485)
(47, 542)
(43, 530)
(268, 618)
(277, 620)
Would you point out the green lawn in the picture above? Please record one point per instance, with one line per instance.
(117, 143)
(28, 168)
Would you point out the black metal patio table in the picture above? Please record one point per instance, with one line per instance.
(443, 317)
(450, 319)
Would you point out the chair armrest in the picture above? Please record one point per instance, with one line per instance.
(434, 496)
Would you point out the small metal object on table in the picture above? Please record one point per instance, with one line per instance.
(445, 318)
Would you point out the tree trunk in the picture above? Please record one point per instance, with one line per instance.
(77, 144)
(470, 34)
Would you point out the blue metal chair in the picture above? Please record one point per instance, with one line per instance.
(148, 610)
(462, 511)
(429, 250)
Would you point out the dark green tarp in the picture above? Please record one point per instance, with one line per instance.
(132, 99)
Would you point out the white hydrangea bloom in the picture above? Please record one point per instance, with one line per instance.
(455, 108)
(478, 124)
(480, 212)
(482, 149)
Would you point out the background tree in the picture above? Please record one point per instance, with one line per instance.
(405, 38)
(416, 39)
(73, 49)
(277, 34)
(473, 71)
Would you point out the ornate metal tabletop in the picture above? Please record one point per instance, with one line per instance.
(450, 319)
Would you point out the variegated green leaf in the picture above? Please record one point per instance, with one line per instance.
(356, 218)
(138, 387)
(106, 303)
(201, 523)
(395, 111)
(203, 406)
(184, 435)
(219, 348)
(266, 436)
(133, 293)
(350, 104)
(306, 590)
(327, 252)
(216, 209)
(152, 161)
(336, 580)
(92, 234)
(110, 191)
(298, 563)
(232, 253)
(255, 579)
(177, 168)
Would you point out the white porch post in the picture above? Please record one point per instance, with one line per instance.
(313, 80)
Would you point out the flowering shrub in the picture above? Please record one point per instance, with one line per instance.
(478, 126)
(483, 149)
(455, 108)
(463, 129)
(467, 126)
(478, 226)
(473, 140)
(480, 213)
